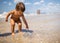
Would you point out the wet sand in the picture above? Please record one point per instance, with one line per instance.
(42, 29)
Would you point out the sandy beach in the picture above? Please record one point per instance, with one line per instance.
(43, 28)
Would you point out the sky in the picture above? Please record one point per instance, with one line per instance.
(45, 6)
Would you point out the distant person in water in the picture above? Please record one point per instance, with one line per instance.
(15, 17)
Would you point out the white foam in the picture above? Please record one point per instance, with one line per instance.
(3, 15)
(32, 14)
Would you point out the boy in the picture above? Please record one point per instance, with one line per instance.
(15, 17)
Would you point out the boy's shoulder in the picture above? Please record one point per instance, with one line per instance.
(12, 11)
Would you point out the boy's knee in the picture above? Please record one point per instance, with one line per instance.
(13, 24)
(19, 24)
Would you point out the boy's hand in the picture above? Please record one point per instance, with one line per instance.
(6, 20)
(27, 27)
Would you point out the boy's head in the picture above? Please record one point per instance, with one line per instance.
(20, 6)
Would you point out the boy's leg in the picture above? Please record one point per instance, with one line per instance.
(12, 26)
(19, 26)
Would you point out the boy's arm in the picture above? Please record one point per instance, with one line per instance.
(8, 16)
(24, 20)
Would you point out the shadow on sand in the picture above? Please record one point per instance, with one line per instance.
(8, 34)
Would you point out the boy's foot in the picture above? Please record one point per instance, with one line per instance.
(13, 34)
(19, 31)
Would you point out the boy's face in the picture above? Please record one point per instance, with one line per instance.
(20, 6)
